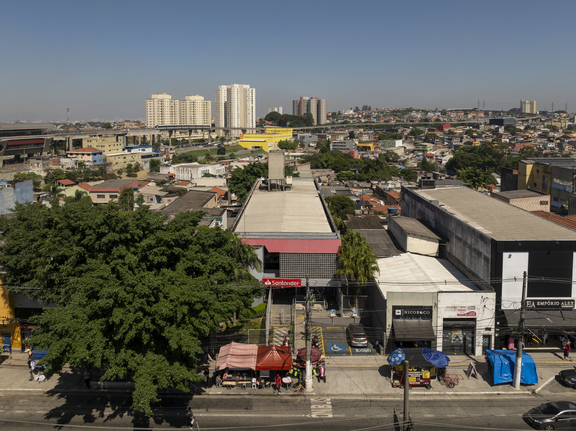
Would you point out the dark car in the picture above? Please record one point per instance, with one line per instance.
(552, 416)
(568, 377)
(356, 335)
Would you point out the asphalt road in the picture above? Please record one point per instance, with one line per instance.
(19, 411)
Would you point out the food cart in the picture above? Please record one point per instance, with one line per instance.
(423, 366)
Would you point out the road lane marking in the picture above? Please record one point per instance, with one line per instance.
(320, 408)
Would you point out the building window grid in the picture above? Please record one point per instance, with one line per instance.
(315, 265)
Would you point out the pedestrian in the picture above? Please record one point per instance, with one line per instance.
(322, 375)
(278, 383)
(567, 351)
(218, 380)
(206, 376)
(254, 382)
(32, 366)
(87, 377)
(544, 338)
(191, 419)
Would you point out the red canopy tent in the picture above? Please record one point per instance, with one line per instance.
(277, 358)
(237, 356)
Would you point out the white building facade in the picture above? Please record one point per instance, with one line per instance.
(161, 109)
(235, 106)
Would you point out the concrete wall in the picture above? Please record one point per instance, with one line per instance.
(452, 305)
(465, 245)
(21, 193)
(413, 243)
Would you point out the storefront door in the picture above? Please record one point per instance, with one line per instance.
(458, 337)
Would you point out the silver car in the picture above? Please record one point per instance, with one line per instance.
(356, 335)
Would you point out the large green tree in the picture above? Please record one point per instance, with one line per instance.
(134, 293)
(242, 179)
(476, 177)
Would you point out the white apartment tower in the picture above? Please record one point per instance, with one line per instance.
(161, 109)
(235, 106)
(528, 106)
(195, 110)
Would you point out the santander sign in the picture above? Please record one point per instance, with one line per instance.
(282, 282)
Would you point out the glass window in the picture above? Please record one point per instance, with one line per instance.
(100, 196)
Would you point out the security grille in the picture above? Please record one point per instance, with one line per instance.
(316, 265)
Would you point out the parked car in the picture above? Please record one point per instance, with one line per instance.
(356, 335)
(552, 416)
(568, 377)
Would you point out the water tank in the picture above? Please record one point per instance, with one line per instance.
(392, 210)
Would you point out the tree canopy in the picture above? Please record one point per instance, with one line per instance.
(133, 292)
(356, 260)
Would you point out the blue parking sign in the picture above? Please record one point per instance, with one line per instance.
(335, 348)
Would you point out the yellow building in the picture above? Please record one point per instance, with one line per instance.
(106, 144)
(10, 328)
(368, 146)
(266, 141)
(535, 176)
(121, 160)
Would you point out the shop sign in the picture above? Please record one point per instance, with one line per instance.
(549, 304)
(282, 282)
(466, 312)
(412, 312)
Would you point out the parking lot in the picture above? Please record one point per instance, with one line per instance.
(332, 341)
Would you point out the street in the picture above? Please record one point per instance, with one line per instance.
(77, 411)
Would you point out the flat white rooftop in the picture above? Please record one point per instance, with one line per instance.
(415, 273)
(298, 210)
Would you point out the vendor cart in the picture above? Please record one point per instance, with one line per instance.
(417, 376)
(424, 364)
(451, 380)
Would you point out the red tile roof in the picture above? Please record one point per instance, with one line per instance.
(66, 182)
(183, 183)
(84, 186)
(393, 194)
(219, 192)
(568, 221)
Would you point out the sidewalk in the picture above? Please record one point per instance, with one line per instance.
(346, 376)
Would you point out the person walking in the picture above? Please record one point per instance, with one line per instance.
(322, 375)
(567, 351)
(278, 383)
(253, 382)
(87, 377)
(544, 337)
(192, 420)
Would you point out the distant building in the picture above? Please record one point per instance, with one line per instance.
(235, 107)
(105, 144)
(528, 106)
(89, 155)
(161, 109)
(502, 121)
(312, 105)
(275, 109)
(110, 190)
(344, 146)
(267, 141)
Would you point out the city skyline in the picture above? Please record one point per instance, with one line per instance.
(103, 59)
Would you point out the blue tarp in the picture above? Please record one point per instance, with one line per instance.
(396, 357)
(435, 357)
(38, 354)
(502, 363)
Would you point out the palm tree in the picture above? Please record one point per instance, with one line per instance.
(356, 261)
(245, 256)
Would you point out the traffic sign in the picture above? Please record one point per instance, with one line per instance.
(335, 348)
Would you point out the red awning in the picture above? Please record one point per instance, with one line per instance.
(237, 356)
(276, 358)
(276, 245)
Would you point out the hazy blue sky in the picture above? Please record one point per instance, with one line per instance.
(104, 58)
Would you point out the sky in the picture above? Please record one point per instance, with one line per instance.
(104, 58)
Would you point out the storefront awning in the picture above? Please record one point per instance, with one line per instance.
(413, 330)
(540, 318)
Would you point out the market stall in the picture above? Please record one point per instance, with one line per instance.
(237, 362)
(423, 366)
(275, 359)
(502, 364)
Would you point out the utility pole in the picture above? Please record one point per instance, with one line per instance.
(308, 340)
(518, 364)
(406, 423)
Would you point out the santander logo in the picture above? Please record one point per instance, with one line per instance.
(282, 282)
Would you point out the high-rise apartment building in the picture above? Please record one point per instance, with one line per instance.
(528, 106)
(312, 105)
(195, 110)
(235, 106)
(161, 109)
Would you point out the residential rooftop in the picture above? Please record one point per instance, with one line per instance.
(498, 220)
